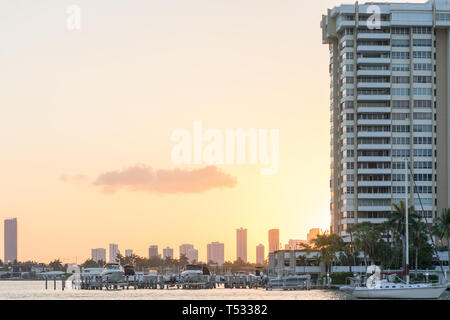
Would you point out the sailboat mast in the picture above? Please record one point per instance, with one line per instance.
(406, 222)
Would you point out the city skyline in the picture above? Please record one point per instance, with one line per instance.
(213, 249)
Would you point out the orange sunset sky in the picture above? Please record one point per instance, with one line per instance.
(77, 106)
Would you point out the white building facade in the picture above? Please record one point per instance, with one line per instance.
(389, 106)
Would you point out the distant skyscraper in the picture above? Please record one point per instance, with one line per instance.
(98, 254)
(113, 252)
(260, 254)
(216, 252)
(274, 240)
(241, 244)
(168, 253)
(313, 233)
(184, 248)
(192, 255)
(153, 252)
(296, 244)
(10, 240)
(128, 253)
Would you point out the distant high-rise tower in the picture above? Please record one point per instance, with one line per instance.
(274, 240)
(241, 244)
(216, 253)
(184, 248)
(153, 252)
(10, 240)
(168, 253)
(113, 252)
(98, 254)
(192, 255)
(260, 254)
(128, 253)
(313, 233)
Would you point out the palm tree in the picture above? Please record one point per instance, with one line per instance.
(328, 245)
(419, 239)
(56, 265)
(442, 228)
(350, 230)
(183, 261)
(397, 221)
(365, 239)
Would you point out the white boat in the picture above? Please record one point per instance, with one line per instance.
(112, 273)
(192, 272)
(388, 290)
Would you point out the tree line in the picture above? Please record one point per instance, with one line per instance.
(384, 244)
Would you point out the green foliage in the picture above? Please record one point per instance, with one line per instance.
(338, 277)
(56, 265)
(329, 245)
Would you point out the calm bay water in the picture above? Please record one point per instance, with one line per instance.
(35, 290)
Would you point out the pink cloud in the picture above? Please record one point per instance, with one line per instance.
(145, 178)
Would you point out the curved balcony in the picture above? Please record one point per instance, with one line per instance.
(374, 171)
(374, 159)
(375, 208)
(362, 48)
(381, 134)
(374, 60)
(374, 147)
(374, 196)
(374, 183)
(379, 35)
(369, 97)
(383, 85)
(373, 72)
(374, 122)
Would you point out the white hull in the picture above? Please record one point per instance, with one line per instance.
(112, 276)
(400, 293)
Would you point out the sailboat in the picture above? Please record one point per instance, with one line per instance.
(382, 289)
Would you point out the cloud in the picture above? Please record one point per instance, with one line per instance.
(145, 178)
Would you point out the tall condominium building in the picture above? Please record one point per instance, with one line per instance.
(274, 240)
(168, 253)
(184, 248)
(153, 252)
(98, 254)
(113, 252)
(241, 244)
(10, 243)
(260, 254)
(128, 252)
(216, 252)
(192, 255)
(390, 78)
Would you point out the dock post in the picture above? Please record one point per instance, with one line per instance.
(62, 283)
(54, 283)
(46, 284)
